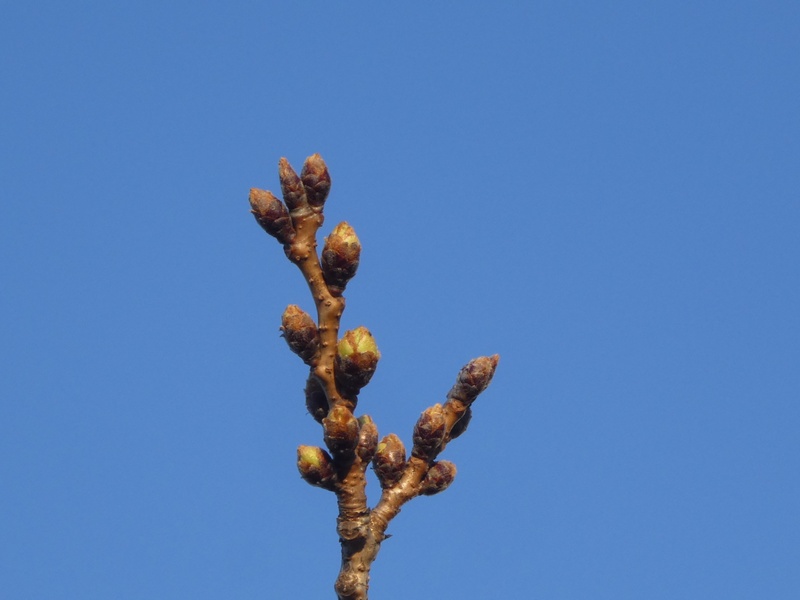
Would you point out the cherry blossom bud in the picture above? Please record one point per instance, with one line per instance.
(438, 478)
(429, 432)
(316, 401)
(272, 215)
(294, 194)
(316, 467)
(367, 438)
(357, 358)
(316, 181)
(300, 332)
(340, 257)
(473, 378)
(389, 462)
(341, 430)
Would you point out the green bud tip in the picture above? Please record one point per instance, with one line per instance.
(358, 341)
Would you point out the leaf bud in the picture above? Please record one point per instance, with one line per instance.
(389, 462)
(357, 358)
(340, 257)
(316, 181)
(367, 438)
(340, 430)
(294, 194)
(473, 378)
(316, 467)
(438, 478)
(300, 332)
(429, 432)
(461, 425)
(272, 215)
(316, 400)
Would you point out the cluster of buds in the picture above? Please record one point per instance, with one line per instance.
(340, 367)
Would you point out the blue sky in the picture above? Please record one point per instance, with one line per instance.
(607, 194)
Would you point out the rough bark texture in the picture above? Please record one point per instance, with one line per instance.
(340, 368)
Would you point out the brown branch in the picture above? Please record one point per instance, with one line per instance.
(340, 368)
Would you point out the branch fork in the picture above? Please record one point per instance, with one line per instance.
(339, 368)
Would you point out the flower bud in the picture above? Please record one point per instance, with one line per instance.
(272, 215)
(461, 425)
(294, 194)
(340, 430)
(300, 332)
(389, 462)
(316, 401)
(367, 438)
(473, 378)
(429, 432)
(438, 478)
(316, 181)
(316, 467)
(357, 358)
(340, 257)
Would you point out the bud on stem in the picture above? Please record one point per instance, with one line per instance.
(316, 181)
(438, 478)
(429, 432)
(357, 358)
(316, 467)
(294, 194)
(473, 378)
(390, 460)
(340, 257)
(341, 430)
(272, 215)
(367, 438)
(300, 332)
(316, 401)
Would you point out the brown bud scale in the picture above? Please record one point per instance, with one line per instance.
(316, 181)
(429, 432)
(389, 461)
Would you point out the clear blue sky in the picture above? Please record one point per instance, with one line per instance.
(607, 194)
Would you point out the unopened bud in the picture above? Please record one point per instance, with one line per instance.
(461, 425)
(294, 194)
(473, 378)
(429, 432)
(316, 401)
(300, 332)
(316, 467)
(367, 438)
(357, 358)
(389, 462)
(341, 430)
(340, 257)
(438, 478)
(272, 215)
(316, 181)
